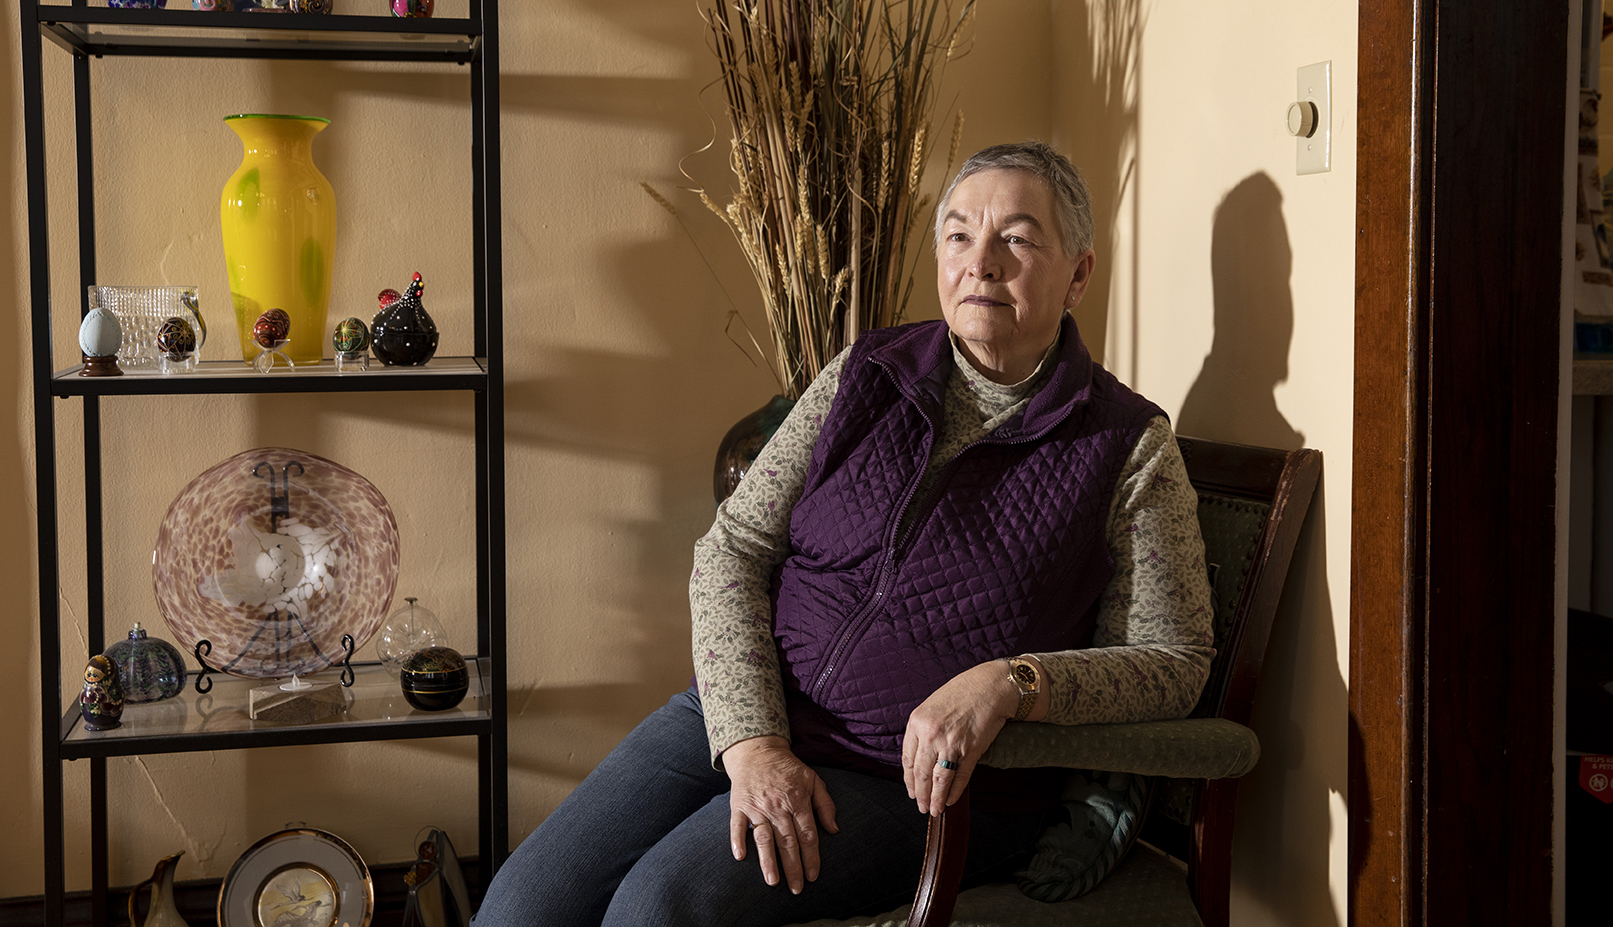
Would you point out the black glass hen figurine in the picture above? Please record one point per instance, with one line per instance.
(403, 335)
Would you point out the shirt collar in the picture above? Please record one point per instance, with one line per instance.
(999, 392)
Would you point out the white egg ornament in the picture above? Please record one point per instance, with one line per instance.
(99, 337)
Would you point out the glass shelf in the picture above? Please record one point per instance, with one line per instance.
(218, 720)
(192, 34)
(442, 373)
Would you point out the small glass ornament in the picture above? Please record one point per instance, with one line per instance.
(351, 341)
(150, 668)
(311, 6)
(137, 4)
(176, 346)
(213, 6)
(101, 702)
(412, 627)
(435, 679)
(410, 8)
(271, 332)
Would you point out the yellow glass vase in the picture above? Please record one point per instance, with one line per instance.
(279, 218)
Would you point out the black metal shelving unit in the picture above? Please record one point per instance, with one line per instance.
(88, 33)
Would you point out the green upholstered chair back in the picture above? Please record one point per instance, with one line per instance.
(1252, 504)
(1232, 528)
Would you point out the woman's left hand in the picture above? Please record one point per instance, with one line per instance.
(956, 723)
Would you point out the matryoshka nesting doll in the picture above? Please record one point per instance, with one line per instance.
(102, 699)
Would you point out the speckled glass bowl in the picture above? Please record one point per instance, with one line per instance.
(272, 556)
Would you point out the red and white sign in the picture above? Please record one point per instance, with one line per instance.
(1596, 776)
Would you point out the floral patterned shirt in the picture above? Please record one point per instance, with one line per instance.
(1151, 647)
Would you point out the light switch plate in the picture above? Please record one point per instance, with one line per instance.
(1314, 155)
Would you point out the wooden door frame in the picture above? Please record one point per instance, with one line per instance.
(1458, 274)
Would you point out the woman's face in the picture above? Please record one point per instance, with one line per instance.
(1002, 274)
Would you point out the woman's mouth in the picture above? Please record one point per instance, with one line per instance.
(981, 301)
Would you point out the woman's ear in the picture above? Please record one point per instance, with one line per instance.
(1080, 278)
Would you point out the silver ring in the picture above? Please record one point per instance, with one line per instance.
(946, 764)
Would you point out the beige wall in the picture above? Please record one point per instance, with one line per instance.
(620, 379)
(1232, 307)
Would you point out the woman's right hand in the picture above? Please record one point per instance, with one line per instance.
(781, 801)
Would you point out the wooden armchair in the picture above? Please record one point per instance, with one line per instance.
(1252, 503)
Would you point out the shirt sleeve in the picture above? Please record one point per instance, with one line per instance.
(735, 659)
(1154, 638)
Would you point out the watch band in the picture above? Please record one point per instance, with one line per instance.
(1022, 673)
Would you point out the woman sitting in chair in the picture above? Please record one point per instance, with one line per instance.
(961, 524)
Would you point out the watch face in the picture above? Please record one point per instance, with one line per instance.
(1025, 675)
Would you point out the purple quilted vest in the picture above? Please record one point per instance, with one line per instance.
(1008, 553)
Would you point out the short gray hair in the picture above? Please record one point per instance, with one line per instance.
(1072, 201)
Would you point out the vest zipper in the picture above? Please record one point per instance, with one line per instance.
(863, 616)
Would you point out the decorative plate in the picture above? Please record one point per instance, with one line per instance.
(300, 877)
(272, 556)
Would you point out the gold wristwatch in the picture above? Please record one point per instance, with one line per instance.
(1022, 673)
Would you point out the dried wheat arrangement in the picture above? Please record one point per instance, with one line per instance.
(830, 105)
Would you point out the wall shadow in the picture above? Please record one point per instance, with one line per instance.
(1284, 808)
(1234, 398)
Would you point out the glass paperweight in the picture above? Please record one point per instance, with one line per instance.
(142, 311)
(272, 556)
(411, 628)
(435, 679)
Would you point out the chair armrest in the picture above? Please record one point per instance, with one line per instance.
(1192, 748)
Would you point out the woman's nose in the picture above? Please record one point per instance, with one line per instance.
(984, 263)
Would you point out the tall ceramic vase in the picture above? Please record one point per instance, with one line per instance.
(279, 217)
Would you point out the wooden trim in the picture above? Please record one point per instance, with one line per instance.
(1459, 211)
(1385, 582)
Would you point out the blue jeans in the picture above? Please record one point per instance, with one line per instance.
(643, 841)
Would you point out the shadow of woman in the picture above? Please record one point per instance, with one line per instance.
(1233, 398)
(1282, 848)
